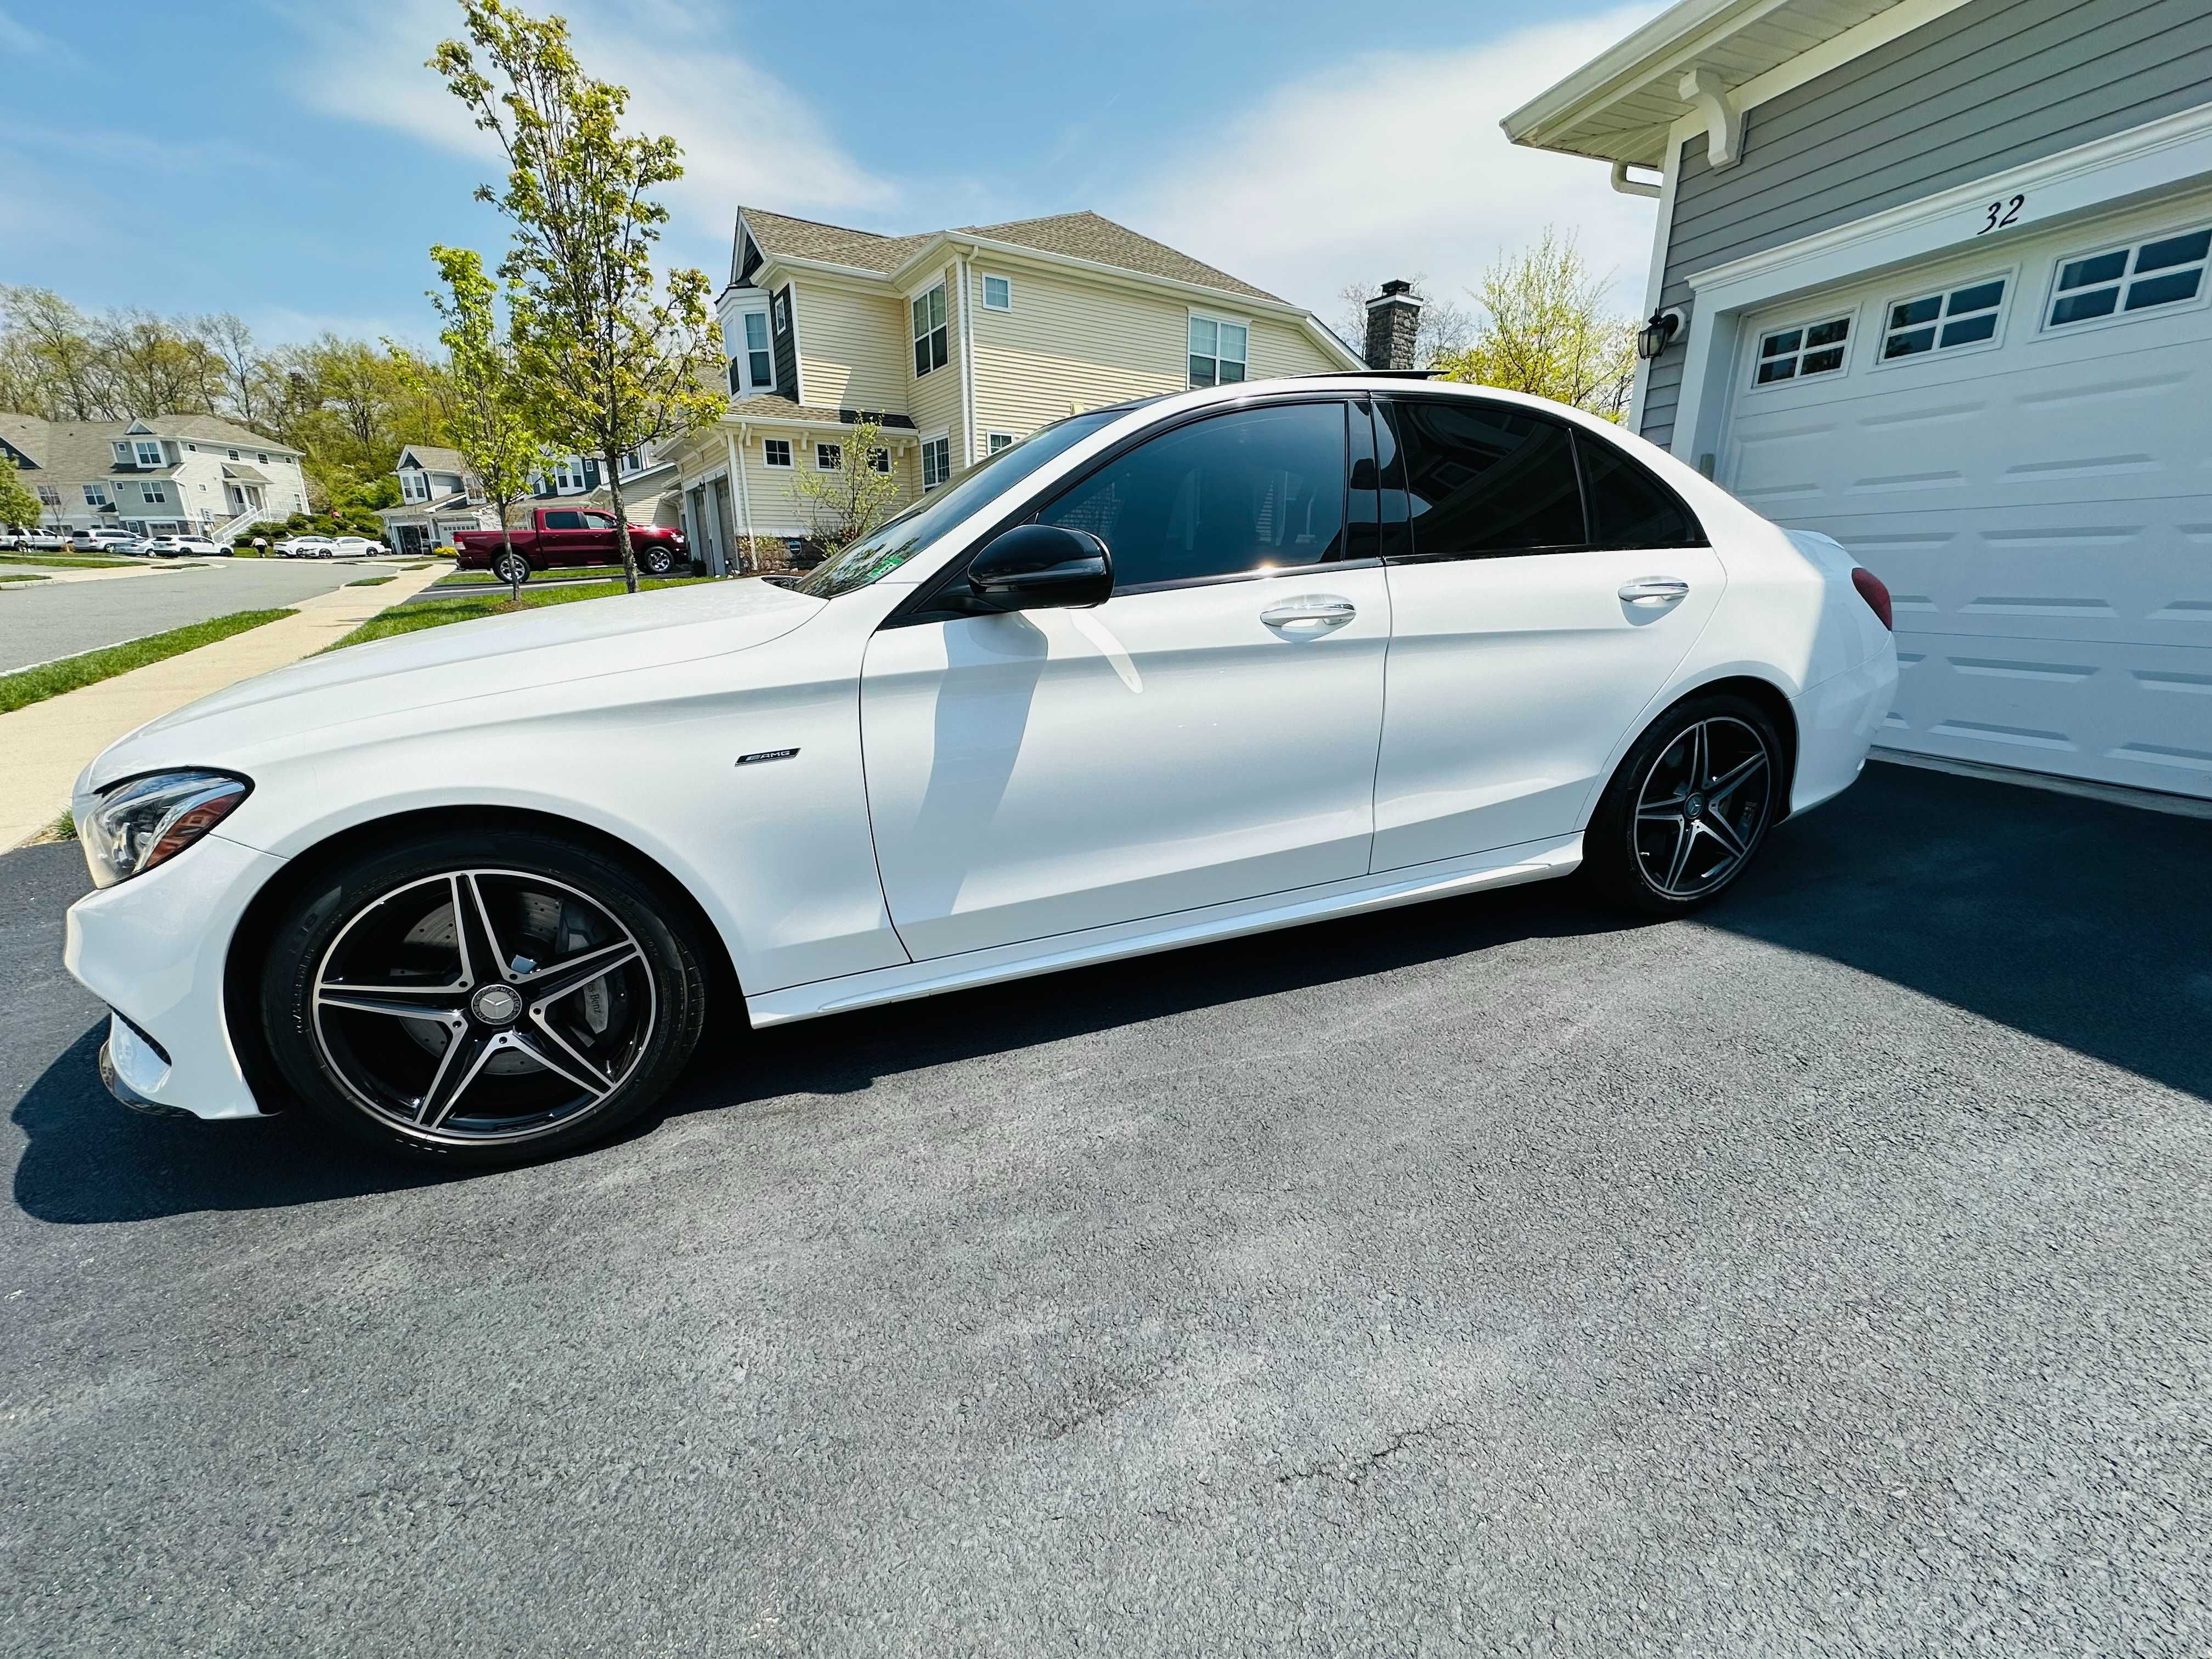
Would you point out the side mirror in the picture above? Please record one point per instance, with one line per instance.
(1038, 567)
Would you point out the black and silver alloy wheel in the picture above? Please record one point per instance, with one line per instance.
(1689, 806)
(482, 1005)
(511, 568)
(483, 998)
(1701, 807)
(656, 561)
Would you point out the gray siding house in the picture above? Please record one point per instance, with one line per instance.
(1936, 270)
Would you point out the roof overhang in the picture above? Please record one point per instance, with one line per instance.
(1697, 61)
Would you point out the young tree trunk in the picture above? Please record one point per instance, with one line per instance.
(622, 524)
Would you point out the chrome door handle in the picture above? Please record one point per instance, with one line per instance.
(1651, 590)
(1315, 615)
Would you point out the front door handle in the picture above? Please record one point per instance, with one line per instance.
(1315, 615)
(1651, 591)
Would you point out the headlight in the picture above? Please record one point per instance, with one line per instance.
(147, 821)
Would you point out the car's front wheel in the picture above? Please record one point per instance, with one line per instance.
(511, 568)
(1689, 806)
(656, 561)
(481, 998)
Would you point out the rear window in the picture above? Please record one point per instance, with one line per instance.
(1628, 507)
(1483, 479)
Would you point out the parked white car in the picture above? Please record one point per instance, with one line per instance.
(184, 547)
(100, 539)
(305, 547)
(354, 547)
(42, 539)
(1222, 661)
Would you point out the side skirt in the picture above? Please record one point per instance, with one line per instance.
(1506, 866)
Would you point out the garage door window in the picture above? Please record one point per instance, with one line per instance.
(2164, 271)
(1792, 353)
(1942, 322)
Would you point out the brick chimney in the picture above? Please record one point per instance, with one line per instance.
(1393, 321)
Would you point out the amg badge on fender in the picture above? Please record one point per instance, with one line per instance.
(767, 754)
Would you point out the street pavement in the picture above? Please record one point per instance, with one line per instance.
(42, 621)
(1830, 1275)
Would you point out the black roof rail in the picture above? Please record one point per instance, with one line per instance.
(1371, 374)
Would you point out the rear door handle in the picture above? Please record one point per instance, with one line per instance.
(1316, 615)
(1651, 591)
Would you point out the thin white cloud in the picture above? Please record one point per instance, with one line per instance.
(20, 40)
(745, 136)
(1394, 165)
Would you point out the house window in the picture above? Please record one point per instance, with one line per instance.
(936, 462)
(95, 495)
(1218, 351)
(997, 293)
(880, 459)
(2164, 271)
(929, 335)
(48, 496)
(149, 454)
(154, 495)
(230, 455)
(1937, 322)
(264, 460)
(827, 457)
(995, 441)
(758, 364)
(776, 452)
(1792, 353)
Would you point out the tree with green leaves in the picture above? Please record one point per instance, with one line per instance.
(850, 500)
(1546, 330)
(489, 418)
(611, 364)
(19, 508)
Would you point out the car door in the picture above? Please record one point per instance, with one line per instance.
(1206, 735)
(561, 534)
(1548, 586)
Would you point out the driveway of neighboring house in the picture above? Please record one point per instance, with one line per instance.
(1832, 1275)
(42, 621)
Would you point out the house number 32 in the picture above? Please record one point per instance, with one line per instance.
(2001, 214)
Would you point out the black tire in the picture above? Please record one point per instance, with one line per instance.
(656, 561)
(1688, 845)
(511, 568)
(388, 921)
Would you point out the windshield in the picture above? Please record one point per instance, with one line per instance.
(876, 556)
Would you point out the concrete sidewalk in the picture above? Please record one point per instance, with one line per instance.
(48, 744)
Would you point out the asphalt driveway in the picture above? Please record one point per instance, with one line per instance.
(1832, 1276)
(42, 621)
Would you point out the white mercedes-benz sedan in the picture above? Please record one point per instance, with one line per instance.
(1165, 672)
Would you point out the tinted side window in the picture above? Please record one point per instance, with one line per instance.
(1484, 480)
(1230, 494)
(1629, 508)
(564, 521)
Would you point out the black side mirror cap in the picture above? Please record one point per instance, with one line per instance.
(1039, 566)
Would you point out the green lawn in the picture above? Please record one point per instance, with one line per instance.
(436, 613)
(20, 576)
(31, 686)
(479, 577)
(370, 581)
(68, 561)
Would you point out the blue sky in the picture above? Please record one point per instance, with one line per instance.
(292, 162)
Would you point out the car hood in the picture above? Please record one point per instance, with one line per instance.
(494, 656)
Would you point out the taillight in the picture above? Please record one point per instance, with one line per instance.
(1872, 590)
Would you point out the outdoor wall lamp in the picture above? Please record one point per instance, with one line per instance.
(1651, 339)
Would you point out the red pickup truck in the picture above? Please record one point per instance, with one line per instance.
(563, 537)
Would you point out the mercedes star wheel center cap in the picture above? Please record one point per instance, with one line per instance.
(496, 1005)
(1694, 806)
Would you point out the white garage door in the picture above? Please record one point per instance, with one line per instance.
(2018, 441)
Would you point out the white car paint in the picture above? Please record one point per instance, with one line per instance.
(1046, 788)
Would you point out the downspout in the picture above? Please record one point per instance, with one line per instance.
(967, 366)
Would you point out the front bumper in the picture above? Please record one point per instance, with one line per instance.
(153, 948)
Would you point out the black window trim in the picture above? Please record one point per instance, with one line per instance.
(920, 607)
(1577, 438)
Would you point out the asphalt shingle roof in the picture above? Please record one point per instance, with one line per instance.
(436, 459)
(1083, 235)
(74, 450)
(770, 406)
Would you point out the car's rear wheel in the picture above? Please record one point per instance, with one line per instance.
(510, 568)
(1689, 806)
(656, 561)
(482, 998)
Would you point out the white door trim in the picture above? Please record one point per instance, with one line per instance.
(2159, 155)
